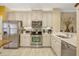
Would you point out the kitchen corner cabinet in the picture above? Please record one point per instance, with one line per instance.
(46, 40)
(25, 40)
(56, 45)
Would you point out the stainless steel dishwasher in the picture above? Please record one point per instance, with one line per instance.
(67, 49)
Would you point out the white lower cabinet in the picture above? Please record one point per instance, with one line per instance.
(46, 40)
(56, 45)
(25, 40)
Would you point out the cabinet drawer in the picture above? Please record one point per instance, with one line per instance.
(25, 41)
(56, 45)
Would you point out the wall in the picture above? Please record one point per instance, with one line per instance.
(77, 24)
(2, 18)
(3, 10)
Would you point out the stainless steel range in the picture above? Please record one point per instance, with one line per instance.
(36, 34)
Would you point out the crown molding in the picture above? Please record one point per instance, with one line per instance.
(68, 10)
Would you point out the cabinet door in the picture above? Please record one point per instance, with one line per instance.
(27, 19)
(67, 49)
(56, 45)
(25, 40)
(46, 40)
(44, 20)
(36, 15)
(18, 16)
(52, 42)
(10, 16)
(47, 19)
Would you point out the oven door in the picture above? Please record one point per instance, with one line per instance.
(36, 40)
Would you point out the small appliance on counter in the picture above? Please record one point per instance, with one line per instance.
(47, 30)
(27, 29)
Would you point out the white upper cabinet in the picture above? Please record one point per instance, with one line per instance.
(47, 19)
(44, 19)
(19, 16)
(36, 15)
(10, 16)
(27, 19)
(28, 16)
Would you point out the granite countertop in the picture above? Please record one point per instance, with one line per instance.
(4, 42)
(71, 40)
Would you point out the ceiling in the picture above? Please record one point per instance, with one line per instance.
(46, 6)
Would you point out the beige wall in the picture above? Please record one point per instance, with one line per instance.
(77, 24)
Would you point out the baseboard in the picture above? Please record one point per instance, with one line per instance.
(26, 47)
(35, 47)
(10, 47)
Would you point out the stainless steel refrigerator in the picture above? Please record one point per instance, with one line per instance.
(11, 31)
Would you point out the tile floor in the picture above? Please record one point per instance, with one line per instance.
(27, 52)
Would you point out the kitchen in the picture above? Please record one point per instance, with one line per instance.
(40, 27)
